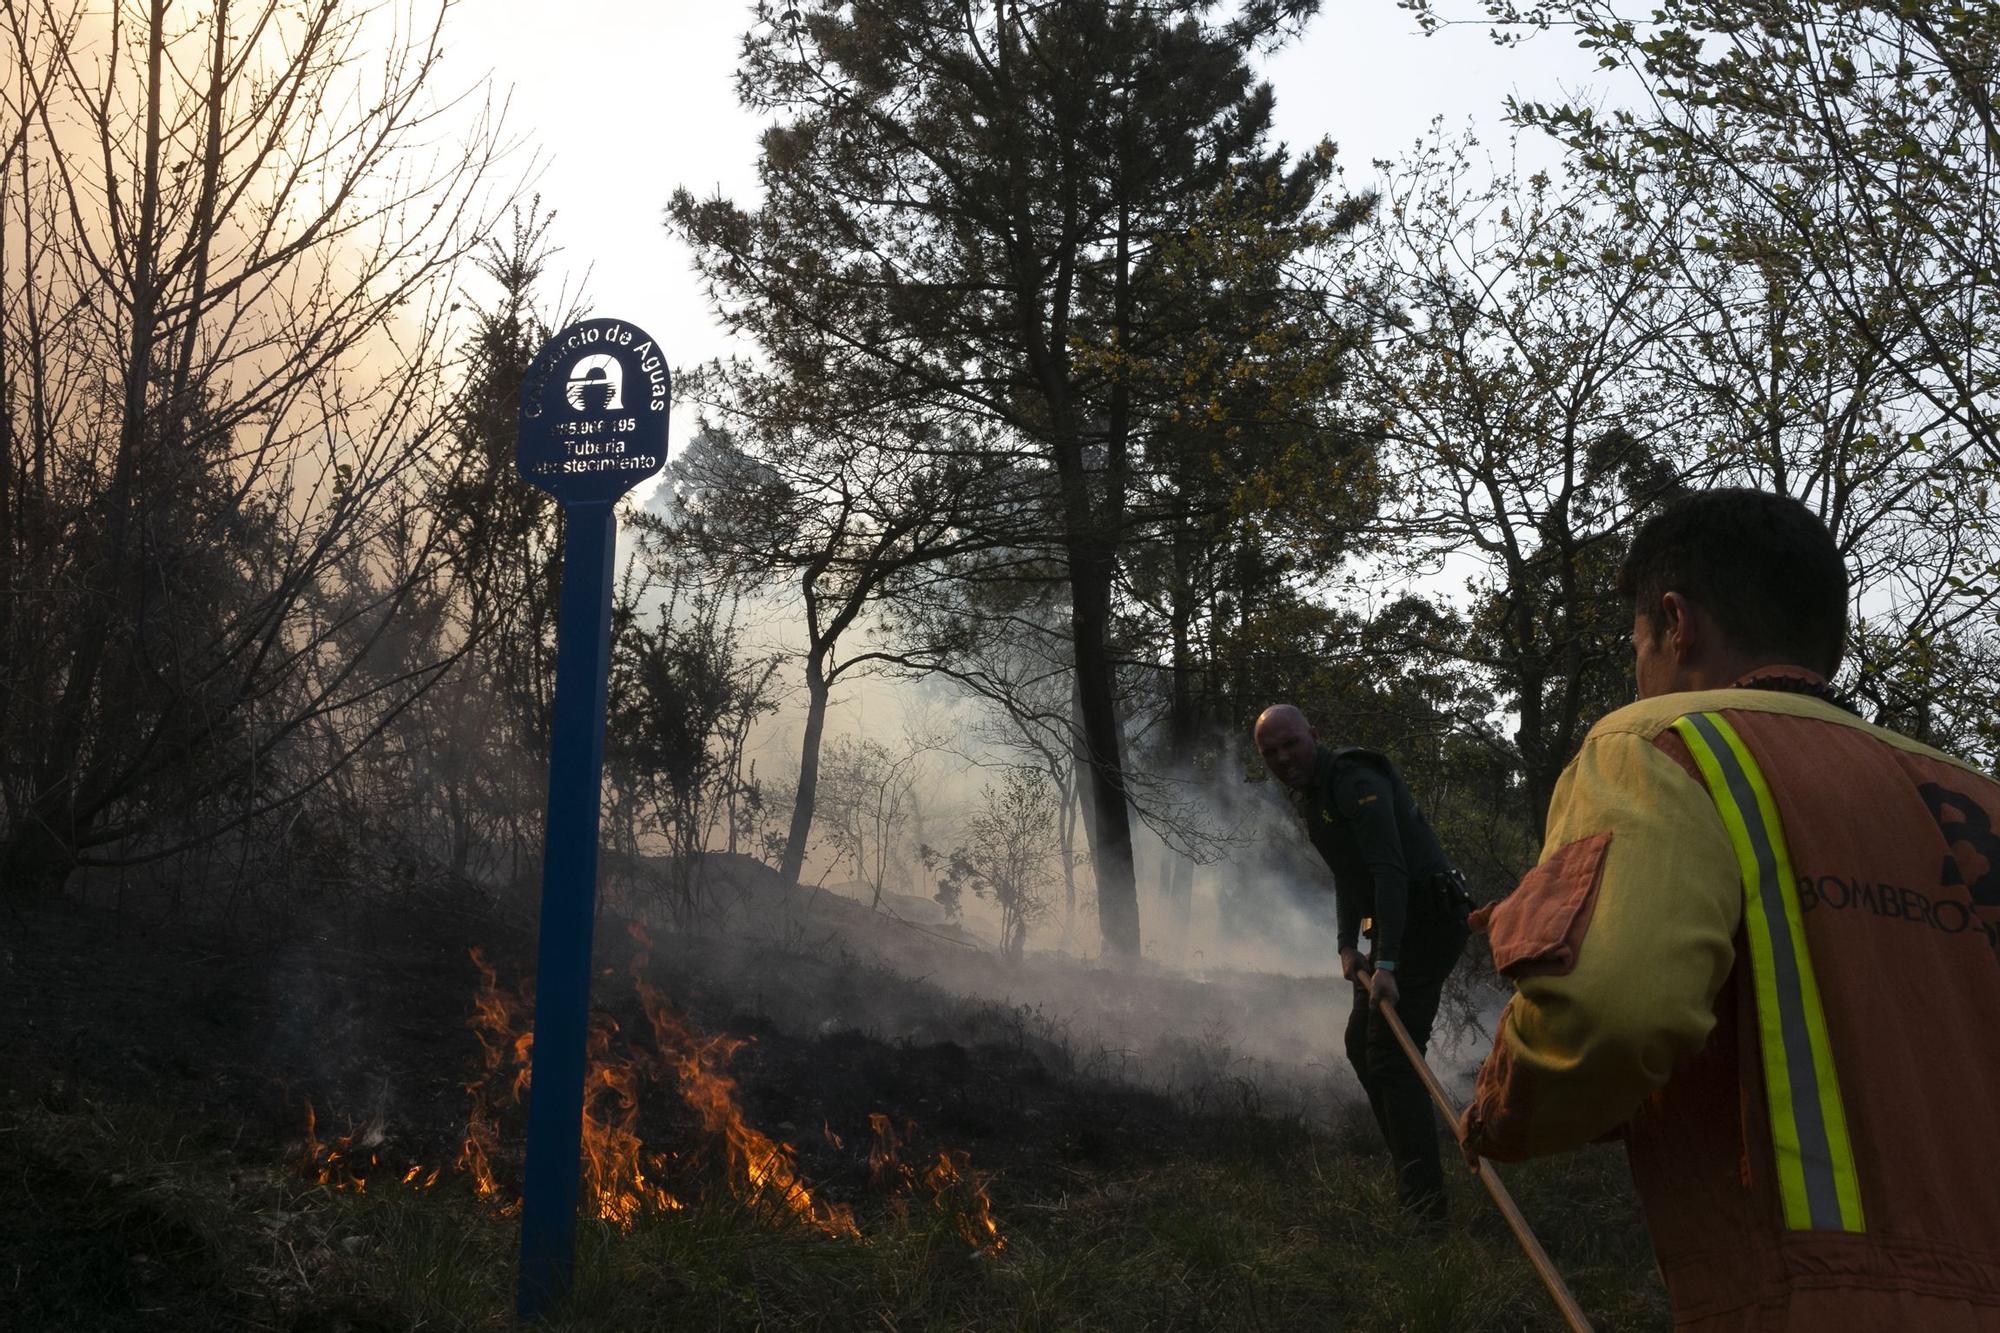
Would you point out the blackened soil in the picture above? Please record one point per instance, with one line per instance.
(238, 1032)
(235, 1033)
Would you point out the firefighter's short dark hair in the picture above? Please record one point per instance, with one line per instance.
(1763, 565)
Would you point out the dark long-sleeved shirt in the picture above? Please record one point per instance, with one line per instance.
(1378, 844)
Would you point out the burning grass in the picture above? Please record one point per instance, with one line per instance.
(112, 1217)
(135, 1197)
(352, 1160)
(955, 1189)
(624, 1180)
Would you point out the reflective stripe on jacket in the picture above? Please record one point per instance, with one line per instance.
(1809, 1089)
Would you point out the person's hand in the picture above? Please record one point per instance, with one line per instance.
(1351, 965)
(1477, 921)
(1382, 988)
(1465, 1148)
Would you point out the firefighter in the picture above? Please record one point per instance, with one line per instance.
(1760, 946)
(1387, 867)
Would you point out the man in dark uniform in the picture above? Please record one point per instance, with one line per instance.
(1387, 866)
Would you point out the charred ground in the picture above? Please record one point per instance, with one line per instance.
(153, 1122)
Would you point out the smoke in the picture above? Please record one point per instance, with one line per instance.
(1235, 1001)
(1258, 897)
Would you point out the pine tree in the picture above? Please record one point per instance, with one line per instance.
(987, 209)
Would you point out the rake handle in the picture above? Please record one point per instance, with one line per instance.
(1572, 1313)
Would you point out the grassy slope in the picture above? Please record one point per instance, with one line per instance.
(150, 1084)
(111, 1217)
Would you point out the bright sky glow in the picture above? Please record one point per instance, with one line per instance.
(626, 101)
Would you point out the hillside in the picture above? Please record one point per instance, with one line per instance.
(157, 1169)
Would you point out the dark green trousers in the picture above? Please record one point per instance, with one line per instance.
(1396, 1095)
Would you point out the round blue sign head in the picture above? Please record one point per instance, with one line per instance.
(594, 412)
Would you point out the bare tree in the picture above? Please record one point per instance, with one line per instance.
(228, 240)
(1525, 424)
(482, 733)
(1823, 181)
(1006, 858)
(684, 695)
(1019, 672)
(850, 512)
(869, 793)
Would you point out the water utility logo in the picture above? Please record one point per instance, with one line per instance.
(597, 384)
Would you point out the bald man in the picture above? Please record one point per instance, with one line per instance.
(1387, 867)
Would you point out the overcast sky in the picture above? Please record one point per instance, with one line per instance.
(627, 99)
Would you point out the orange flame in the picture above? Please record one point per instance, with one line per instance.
(952, 1175)
(760, 1169)
(616, 1186)
(341, 1165)
(621, 1179)
(954, 1186)
(501, 1022)
(886, 1172)
(614, 1177)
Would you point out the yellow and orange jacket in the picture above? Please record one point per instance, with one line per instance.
(1763, 942)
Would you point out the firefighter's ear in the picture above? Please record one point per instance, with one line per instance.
(1680, 629)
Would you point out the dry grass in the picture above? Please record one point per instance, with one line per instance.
(150, 1079)
(116, 1219)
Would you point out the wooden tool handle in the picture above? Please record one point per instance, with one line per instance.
(1572, 1313)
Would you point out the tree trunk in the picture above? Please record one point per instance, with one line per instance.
(1110, 826)
(1177, 885)
(1080, 765)
(802, 804)
(1066, 830)
(1539, 768)
(461, 836)
(56, 781)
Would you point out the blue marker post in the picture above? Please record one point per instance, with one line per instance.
(593, 425)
